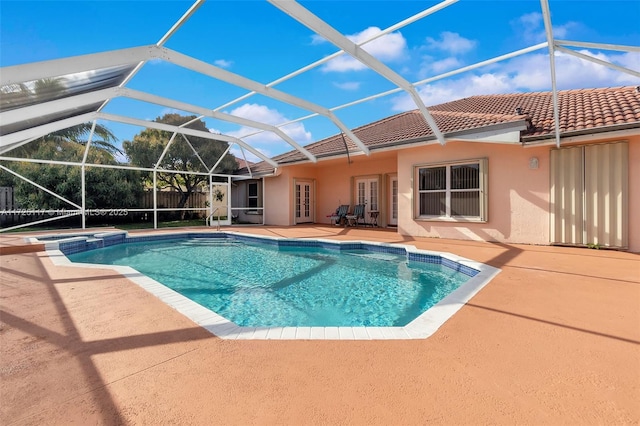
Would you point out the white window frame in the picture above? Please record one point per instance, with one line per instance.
(482, 199)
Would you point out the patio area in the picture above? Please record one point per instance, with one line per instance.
(553, 339)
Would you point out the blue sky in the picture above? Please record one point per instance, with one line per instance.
(256, 40)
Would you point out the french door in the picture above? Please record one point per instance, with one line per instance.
(392, 216)
(367, 193)
(304, 202)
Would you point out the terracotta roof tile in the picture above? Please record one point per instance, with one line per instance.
(579, 110)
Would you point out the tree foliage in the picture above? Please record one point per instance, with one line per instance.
(105, 188)
(102, 138)
(147, 147)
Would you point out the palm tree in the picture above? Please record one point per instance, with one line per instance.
(102, 137)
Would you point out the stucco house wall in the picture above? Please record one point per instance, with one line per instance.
(333, 185)
(336, 179)
(518, 196)
(278, 198)
(511, 138)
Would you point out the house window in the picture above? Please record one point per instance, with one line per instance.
(452, 191)
(252, 194)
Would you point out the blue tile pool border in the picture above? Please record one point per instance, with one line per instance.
(422, 327)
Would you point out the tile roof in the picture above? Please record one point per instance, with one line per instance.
(579, 110)
(242, 163)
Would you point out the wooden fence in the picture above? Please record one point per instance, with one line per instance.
(11, 214)
(170, 199)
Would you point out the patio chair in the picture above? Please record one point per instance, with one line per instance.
(339, 216)
(357, 215)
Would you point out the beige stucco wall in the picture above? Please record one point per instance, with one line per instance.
(518, 210)
(278, 198)
(518, 195)
(336, 180)
(333, 185)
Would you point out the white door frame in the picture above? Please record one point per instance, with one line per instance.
(219, 208)
(307, 207)
(392, 201)
(366, 197)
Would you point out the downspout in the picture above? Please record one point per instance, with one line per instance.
(346, 147)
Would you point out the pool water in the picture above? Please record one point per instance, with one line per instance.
(260, 285)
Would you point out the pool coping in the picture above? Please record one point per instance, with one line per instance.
(420, 328)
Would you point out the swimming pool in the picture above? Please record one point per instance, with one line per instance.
(293, 288)
(261, 285)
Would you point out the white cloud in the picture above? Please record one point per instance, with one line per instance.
(348, 85)
(431, 94)
(532, 71)
(268, 143)
(223, 63)
(317, 39)
(630, 60)
(449, 90)
(441, 65)
(530, 27)
(527, 73)
(389, 47)
(452, 43)
(562, 31)
(489, 83)
(342, 64)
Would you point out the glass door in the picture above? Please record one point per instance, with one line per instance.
(393, 201)
(367, 194)
(304, 202)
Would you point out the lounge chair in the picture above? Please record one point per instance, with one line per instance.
(357, 215)
(338, 217)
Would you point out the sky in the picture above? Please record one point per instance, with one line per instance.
(258, 41)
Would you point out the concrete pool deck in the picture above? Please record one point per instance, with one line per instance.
(553, 339)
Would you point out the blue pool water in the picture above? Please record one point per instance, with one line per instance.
(260, 285)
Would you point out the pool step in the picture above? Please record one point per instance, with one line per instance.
(210, 242)
(374, 255)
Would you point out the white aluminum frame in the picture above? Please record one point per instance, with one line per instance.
(137, 57)
(311, 21)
